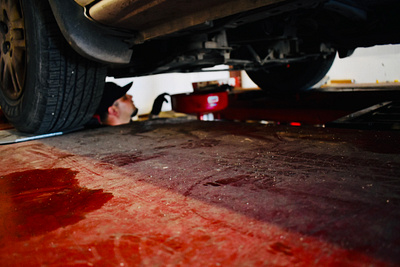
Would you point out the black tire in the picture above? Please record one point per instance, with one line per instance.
(45, 85)
(294, 77)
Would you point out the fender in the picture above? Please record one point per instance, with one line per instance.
(91, 40)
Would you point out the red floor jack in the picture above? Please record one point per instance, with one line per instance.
(201, 103)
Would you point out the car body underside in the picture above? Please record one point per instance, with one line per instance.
(149, 37)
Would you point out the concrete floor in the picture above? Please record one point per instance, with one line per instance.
(190, 193)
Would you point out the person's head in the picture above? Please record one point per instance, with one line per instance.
(116, 107)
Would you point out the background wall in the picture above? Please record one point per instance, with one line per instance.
(366, 65)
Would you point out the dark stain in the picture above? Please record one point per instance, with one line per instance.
(164, 147)
(279, 247)
(266, 183)
(234, 181)
(187, 132)
(39, 201)
(191, 144)
(121, 160)
(212, 184)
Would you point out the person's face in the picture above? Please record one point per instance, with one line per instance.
(126, 107)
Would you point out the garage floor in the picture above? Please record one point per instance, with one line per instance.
(181, 192)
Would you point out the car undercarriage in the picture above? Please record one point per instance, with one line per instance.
(284, 46)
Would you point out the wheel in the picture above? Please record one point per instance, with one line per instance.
(293, 77)
(45, 85)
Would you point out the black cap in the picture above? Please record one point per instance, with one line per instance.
(111, 93)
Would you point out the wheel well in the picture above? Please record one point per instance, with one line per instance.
(89, 39)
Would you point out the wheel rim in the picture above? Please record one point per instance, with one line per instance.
(13, 49)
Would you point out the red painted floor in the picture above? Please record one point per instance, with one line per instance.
(176, 193)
